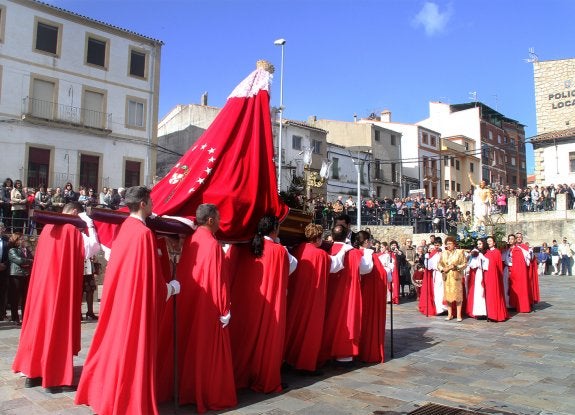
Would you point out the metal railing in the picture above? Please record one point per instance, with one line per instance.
(53, 111)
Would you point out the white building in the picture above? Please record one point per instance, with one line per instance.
(78, 98)
(554, 145)
(420, 155)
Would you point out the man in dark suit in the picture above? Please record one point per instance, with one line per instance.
(4, 271)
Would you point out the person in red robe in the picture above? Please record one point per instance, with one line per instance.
(427, 296)
(373, 311)
(50, 336)
(520, 296)
(205, 370)
(306, 299)
(259, 299)
(493, 278)
(342, 327)
(533, 273)
(119, 374)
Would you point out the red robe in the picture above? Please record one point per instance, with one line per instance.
(520, 296)
(533, 276)
(373, 313)
(306, 299)
(342, 327)
(119, 375)
(205, 373)
(426, 298)
(395, 283)
(494, 295)
(257, 328)
(50, 334)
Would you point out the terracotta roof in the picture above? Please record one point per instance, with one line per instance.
(59, 9)
(553, 135)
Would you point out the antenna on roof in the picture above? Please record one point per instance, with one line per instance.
(473, 96)
(532, 56)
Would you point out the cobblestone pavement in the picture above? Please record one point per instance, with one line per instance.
(523, 366)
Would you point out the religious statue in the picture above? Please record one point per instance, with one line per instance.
(482, 199)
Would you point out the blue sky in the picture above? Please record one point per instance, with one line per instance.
(352, 57)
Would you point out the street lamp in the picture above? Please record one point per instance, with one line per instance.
(280, 42)
(358, 162)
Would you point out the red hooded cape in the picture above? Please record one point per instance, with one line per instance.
(520, 295)
(494, 295)
(119, 375)
(257, 327)
(231, 165)
(427, 296)
(205, 374)
(373, 299)
(50, 334)
(342, 328)
(307, 290)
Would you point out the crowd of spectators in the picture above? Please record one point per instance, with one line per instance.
(428, 214)
(17, 203)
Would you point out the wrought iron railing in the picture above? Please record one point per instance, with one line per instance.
(53, 111)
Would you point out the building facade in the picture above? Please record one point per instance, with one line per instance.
(381, 166)
(499, 141)
(554, 145)
(458, 164)
(420, 156)
(78, 99)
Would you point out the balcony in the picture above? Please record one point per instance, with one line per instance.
(430, 174)
(50, 113)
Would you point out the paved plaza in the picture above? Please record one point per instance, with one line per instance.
(523, 366)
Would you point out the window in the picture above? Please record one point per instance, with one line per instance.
(456, 164)
(42, 100)
(335, 168)
(453, 185)
(491, 135)
(316, 146)
(523, 165)
(47, 37)
(377, 173)
(433, 140)
(377, 191)
(135, 113)
(38, 166)
(132, 173)
(498, 139)
(424, 138)
(89, 171)
(96, 51)
(296, 142)
(393, 143)
(93, 109)
(446, 161)
(466, 146)
(2, 22)
(471, 167)
(452, 161)
(458, 185)
(393, 172)
(513, 161)
(138, 63)
(446, 185)
(377, 134)
(514, 181)
(572, 162)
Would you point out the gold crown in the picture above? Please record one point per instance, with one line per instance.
(265, 65)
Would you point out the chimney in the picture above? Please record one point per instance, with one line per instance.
(204, 99)
(312, 119)
(354, 117)
(386, 116)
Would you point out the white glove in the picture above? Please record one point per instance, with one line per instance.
(173, 288)
(84, 216)
(225, 320)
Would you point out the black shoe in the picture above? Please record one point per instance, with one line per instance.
(91, 317)
(32, 382)
(61, 389)
(316, 372)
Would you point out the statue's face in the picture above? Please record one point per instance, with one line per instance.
(482, 184)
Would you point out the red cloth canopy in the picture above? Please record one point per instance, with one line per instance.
(231, 165)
